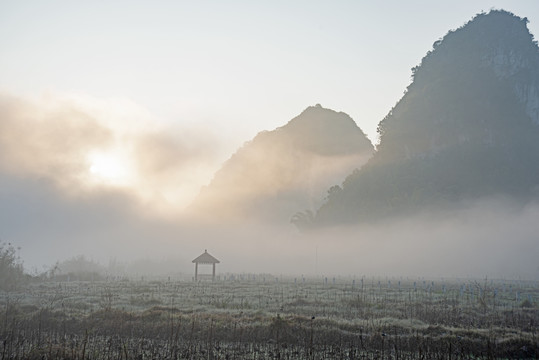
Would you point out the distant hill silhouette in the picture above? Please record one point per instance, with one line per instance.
(286, 169)
(466, 128)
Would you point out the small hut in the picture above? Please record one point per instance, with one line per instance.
(205, 259)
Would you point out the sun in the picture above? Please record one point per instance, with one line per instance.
(111, 168)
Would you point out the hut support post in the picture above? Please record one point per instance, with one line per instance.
(213, 273)
(196, 271)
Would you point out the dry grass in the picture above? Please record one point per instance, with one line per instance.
(367, 318)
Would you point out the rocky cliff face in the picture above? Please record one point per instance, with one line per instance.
(512, 54)
(286, 169)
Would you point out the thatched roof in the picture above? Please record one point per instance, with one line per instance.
(206, 258)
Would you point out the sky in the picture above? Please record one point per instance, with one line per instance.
(238, 67)
(147, 99)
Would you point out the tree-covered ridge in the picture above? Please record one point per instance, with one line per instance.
(464, 129)
(288, 168)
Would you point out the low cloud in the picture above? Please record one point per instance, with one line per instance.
(492, 237)
(488, 238)
(47, 143)
(85, 145)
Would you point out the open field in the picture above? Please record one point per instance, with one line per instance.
(268, 317)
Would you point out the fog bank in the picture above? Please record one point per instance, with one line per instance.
(488, 238)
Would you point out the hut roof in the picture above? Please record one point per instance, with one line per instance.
(206, 258)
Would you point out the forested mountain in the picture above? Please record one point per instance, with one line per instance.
(466, 128)
(286, 169)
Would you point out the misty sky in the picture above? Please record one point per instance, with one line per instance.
(135, 104)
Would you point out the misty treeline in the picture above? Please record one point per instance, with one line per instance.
(13, 274)
(11, 267)
(266, 317)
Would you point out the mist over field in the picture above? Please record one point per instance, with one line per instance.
(495, 238)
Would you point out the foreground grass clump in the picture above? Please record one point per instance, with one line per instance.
(278, 319)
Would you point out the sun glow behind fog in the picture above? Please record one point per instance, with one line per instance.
(110, 168)
(117, 169)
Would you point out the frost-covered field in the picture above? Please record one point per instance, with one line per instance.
(267, 317)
